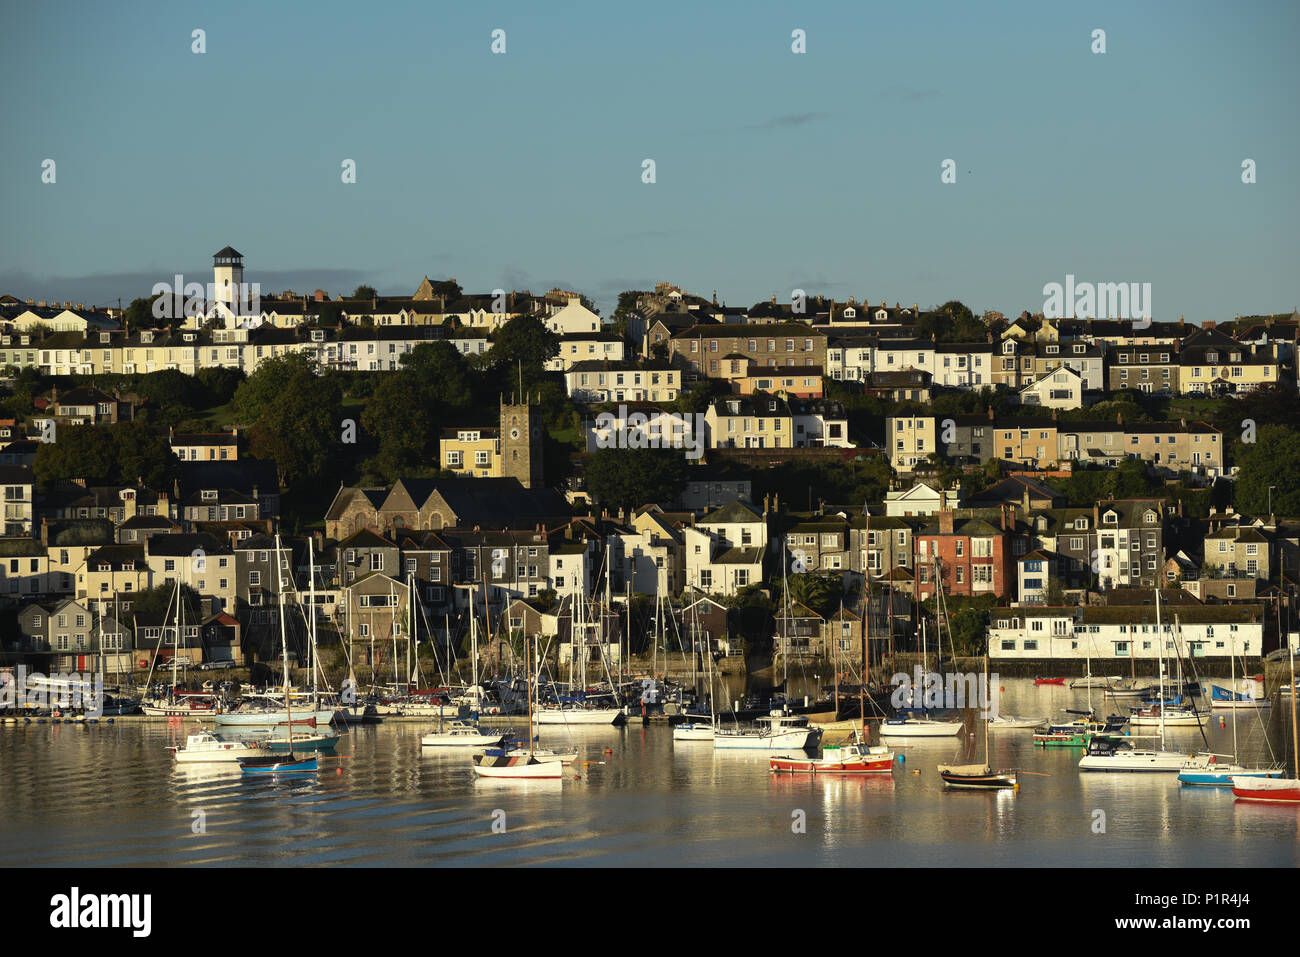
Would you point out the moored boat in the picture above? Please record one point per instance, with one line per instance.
(1109, 753)
(206, 748)
(461, 734)
(842, 759)
(1205, 770)
(976, 777)
(1225, 699)
(278, 764)
(1049, 681)
(1011, 722)
(497, 764)
(909, 727)
(775, 732)
(693, 731)
(1274, 790)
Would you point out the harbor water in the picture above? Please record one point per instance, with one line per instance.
(108, 794)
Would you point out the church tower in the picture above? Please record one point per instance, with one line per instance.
(521, 442)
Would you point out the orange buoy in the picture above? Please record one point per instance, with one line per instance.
(338, 770)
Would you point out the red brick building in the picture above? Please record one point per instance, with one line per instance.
(975, 554)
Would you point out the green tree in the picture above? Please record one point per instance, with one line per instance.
(301, 430)
(364, 292)
(262, 390)
(107, 454)
(630, 478)
(820, 592)
(139, 315)
(1273, 459)
(526, 340)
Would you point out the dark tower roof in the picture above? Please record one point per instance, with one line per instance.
(226, 254)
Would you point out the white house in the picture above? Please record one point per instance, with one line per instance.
(921, 499)
(1059, 389)
(1077, 633)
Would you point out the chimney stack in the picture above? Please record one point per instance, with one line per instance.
(945, 522)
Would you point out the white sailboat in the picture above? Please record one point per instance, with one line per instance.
(1111, 753)
(495, 763)
(573, 712)
(909, 726)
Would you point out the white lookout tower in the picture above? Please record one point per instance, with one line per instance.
(228, 275)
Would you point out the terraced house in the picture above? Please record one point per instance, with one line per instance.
(1147, 368)
(1129, 538)
(1216, 364)
(701, 349)
(756, 421)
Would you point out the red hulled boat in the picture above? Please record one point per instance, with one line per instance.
(845, 759)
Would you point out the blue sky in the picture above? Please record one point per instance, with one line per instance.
(774, 170)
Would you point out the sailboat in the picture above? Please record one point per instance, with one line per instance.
(699, 730)
(1112, 753)
(275, 763)
(576, 710)
(1274, 790)
(540, 753)
(1205, 770)
(495, 763)
(906, 726)
(980, 777)
(179, 705)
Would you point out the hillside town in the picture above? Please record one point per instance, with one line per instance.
(801, 480)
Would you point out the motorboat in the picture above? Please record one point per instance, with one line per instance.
(774, 732)
(852, 758)
(206, 748)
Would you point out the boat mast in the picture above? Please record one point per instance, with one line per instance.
(311, 606)
(1160, 636)
(284, 645)
(1295, 743)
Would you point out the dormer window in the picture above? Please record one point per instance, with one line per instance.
(1053, 350)
(209, 495)
(1123, 358)
(318, 335)
(850, 313)
(1211, 357)
(1112, 518)
(1235, 357)
(1081, 523)
(1080, 350)
(1150, 518)
(105, 338)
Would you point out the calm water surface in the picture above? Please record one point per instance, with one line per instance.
(108, 795)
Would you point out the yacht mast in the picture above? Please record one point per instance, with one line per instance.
(284, 645)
